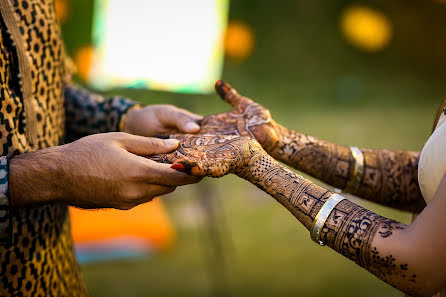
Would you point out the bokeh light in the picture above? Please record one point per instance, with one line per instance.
(239, 41)
(366, 28)
(82, 59)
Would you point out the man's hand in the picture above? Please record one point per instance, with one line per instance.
(161, 119)
(248, 118)
(99, 171)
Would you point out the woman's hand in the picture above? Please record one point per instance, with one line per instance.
(215, 156)
(248, 118)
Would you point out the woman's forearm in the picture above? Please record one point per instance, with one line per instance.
(390, 250)
(389, 177)
(357, 233)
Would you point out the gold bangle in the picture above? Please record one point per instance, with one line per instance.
(124, 116)
(322, 216)
(358, 171)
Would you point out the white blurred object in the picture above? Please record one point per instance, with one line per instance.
(172, 45)
(432, 165)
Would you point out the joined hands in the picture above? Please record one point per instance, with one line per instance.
(212, 155)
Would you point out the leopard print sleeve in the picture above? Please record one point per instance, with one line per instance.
(5, 219)
(89, 113)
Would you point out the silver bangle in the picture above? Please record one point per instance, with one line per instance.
(358, 171)
(322, 216)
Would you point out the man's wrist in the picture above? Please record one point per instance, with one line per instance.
(37, 177)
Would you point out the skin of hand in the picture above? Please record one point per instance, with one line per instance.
(410, 258)
(160, 119)
(108, 170)
(248, 118)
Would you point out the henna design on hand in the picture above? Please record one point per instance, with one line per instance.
(247, 118)
(350, 229)
(213, 156)
(390, 177)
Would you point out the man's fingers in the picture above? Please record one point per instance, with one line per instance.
(186, 124)
(157, 190)
(230, 95)
(148, 193)
(181, 119)
(145, 146)
(161, 174)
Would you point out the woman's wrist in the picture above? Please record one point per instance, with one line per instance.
(283, 138)
(299, 195)
(346, 227)
(326, 161)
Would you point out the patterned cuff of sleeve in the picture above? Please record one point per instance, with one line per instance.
(5, 218)
(124, 116)
(120, 106)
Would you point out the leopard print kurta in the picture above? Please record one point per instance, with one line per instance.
(40, 108)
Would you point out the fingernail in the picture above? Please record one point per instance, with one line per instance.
(222, 88)
(178, 166)
(172, 142)
(191, 126)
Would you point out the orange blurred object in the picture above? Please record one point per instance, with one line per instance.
(82, 59)
(62, 10)
(239, 40)
(148, 222)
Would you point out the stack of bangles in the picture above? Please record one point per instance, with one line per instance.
(330, 204)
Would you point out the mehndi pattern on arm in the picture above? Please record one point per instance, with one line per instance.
(390, 176)
(350, 229)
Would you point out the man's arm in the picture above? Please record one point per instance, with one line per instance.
(107, 170)
(89, 113)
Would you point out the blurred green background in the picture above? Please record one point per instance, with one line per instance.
(314, 81)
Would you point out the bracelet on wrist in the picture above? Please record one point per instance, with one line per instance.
(322, 216)
(357, 172)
